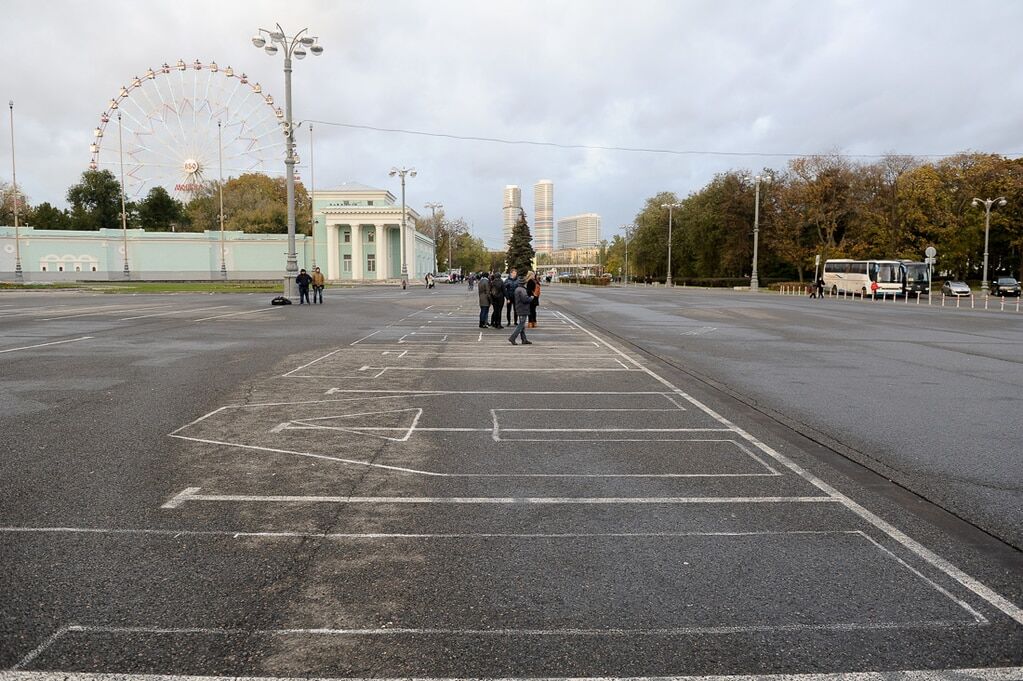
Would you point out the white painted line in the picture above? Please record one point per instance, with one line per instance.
(43, 345)
(189, 494)
(936, 561)
(167, 314)
(38, 650)
(977, 617)
(101, 309)
(307, 364)
(236, 314)
(365, 337)
(965, 674)
(181, 497)
(287, 534)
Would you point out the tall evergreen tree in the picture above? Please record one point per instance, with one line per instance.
(520, 246)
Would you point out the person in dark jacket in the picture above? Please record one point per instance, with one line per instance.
(496, 299)
(522, 301)
(509, 293)
(483, 290)
(303, 280)
(533, 289)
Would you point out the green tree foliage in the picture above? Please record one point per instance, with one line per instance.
(520, 246)
(95, 201)
(253, 203)
(829, 206)
(159, 211)
(45, 216)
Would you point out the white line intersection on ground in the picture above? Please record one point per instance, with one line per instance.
(571, 413)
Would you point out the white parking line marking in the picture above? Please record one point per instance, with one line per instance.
(974, 674)
(236, 314)
(43, 345)
(189, 494)
(173, 312)
(980, 589)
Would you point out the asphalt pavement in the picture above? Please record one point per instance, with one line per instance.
(376, 488)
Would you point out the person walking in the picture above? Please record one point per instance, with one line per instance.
(483, 290)
(509, 294)
(303, 280)
(522, 301)
(533, 289)
(496, 299)
(318, 281)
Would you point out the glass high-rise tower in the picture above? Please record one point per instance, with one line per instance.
(543, 216)
(512, 207)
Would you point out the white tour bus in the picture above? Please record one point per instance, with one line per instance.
(856, 276)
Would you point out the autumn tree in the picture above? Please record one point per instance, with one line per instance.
(520, 246)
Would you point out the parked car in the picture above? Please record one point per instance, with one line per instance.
(1005, 286)
(442, 278)
(955, 289)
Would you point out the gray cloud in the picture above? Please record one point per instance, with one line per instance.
(772, 76)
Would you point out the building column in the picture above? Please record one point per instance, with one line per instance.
(381, 249)
(333, 272)
(357, 255)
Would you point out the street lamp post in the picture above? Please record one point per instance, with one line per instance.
(124, 208)
(670, 207)
(223, 249)
(293, 46)
(402, 172)
(433, 210)
(18, 274)
(987, 203)
(312, 193)
(754, 283)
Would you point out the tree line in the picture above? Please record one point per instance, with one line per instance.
(835, 207)
(253, 203)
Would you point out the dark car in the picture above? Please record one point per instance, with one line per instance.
(1005, 286)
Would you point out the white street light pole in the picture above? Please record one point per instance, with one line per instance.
(312, 192)
(670, 207)
(18, 274)
(402, 172)
(223, 249)
(433, 209)
(293, 46)
(987, 203)
(754, 283)
(124, 209)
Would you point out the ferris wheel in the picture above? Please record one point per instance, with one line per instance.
(180, 124)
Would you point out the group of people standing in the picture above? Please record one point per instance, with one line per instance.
(515, 297)
(316, 281)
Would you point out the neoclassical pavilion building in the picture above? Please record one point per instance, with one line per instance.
(357, 235)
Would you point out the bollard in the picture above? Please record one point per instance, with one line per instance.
(957, 302)
(1003, 305)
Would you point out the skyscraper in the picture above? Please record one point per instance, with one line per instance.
(512, 207)
(579, 231)
(543, 216)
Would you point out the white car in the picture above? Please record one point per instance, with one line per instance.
(442, 278)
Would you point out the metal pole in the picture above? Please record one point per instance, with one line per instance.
(291, 267)
(987, 229)
(312, 192)
(449, 250)
(433, 210)
(404, 252)
(18, 274)
(124, 210)
(667, 281)
(223, 250)
(754, 283)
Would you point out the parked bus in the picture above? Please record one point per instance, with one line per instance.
(916, 278)
(857, 276)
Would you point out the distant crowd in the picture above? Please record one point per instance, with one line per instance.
(514, 297)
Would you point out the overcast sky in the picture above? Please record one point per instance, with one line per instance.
(776, 77)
